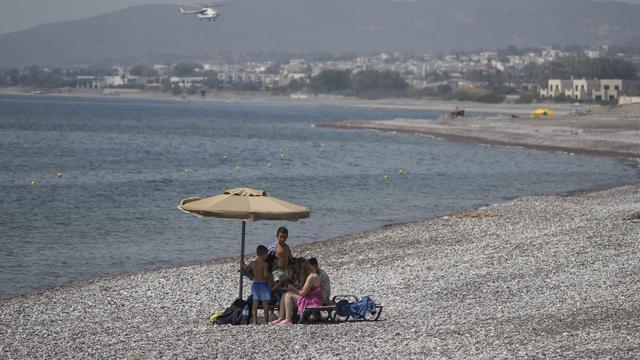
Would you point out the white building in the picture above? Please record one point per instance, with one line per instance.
(612, 89)
(582, 89)
(186, 81)
(113, 81)
(592, 53)
(591, 90)
(87, 82)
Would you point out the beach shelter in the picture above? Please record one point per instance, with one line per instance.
(244, 204)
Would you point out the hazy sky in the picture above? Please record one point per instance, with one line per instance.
(18, 15)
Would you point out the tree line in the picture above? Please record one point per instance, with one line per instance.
(483, 85)
(368, 83)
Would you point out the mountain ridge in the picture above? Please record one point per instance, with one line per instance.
(148, 32)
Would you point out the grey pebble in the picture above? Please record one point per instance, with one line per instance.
(554, 277)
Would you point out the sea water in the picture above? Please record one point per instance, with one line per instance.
(90, 186)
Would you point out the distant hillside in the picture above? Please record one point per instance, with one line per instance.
(148, 32)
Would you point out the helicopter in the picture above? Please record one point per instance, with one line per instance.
(207, 12)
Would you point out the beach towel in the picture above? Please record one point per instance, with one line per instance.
(357, 309)
(312, 299)
(271, 253)
(272, 250)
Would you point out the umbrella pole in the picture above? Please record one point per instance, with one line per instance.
(242, 256)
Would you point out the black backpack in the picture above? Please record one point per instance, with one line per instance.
(233, 314)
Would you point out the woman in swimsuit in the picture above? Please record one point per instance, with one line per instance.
(309, 295)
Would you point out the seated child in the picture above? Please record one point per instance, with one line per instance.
(260, 290)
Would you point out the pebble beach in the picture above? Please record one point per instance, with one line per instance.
(542, 277)
(552, 277)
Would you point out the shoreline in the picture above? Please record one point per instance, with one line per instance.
(470, 139)
(516, 283)
(614, 132)
(435, 105)
(304, 247)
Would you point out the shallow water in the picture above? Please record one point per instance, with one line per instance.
(123, 168)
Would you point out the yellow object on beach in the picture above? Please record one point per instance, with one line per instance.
(401, 172)
(225, 157)
(543, 112)
(269, 163)
(214, 316)
(186, 171)
(237, 167)
(59, 173)
(33, 183)
(386, 178)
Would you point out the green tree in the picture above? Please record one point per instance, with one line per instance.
(192, 90)
(484, 94)
(30, 76)
(475, 75)
(373, 83)
(444, 89)
(211, 80)
(143, 70)
(13, 77)
(166, 84)
(176, 89)
(34, 76)
(296, 85)
(328, 81)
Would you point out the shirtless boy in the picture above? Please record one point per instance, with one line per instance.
(260, 290)
(282, 253)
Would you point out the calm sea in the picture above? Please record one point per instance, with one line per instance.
(125, 165)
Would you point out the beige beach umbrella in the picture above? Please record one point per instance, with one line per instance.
(244, 204)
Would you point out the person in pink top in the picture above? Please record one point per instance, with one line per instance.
(294, 299)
